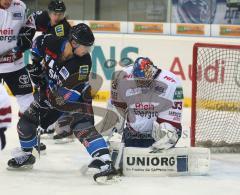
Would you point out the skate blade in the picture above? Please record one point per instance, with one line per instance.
(85, 170)
(22, 168)
(42, 153)
(105, 180)
(64, 141)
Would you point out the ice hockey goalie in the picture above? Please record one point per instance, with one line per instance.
(150, 100)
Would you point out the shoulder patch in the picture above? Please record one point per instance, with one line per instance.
(83, 72)
(64, 73)
(59, 30)
(178, 94)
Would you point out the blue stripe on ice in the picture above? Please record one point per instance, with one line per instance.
(96, 145)
(29, 144)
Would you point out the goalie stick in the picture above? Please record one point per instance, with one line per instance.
(120, 151)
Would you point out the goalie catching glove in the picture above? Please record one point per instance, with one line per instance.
(165, 135)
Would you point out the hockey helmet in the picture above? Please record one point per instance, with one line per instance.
(144, 71)
(143, 68)
(57, 6)
(82, 34)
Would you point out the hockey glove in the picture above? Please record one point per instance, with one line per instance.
(25, 36)
(165, 136)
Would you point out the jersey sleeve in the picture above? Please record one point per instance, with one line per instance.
(39, 20)
(23, 7)
(116, 90)
(35, 22)
(173, 115)
(53, 46)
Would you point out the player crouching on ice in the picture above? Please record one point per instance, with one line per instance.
(62, 69)
(150, 100)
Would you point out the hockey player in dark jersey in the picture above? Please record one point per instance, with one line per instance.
(61, 68)
(53, 22)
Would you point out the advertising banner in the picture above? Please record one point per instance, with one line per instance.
(143, 27)
(205, 12)
(190, 29)
(105, 26)
(230, 30)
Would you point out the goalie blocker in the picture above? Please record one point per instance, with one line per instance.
(172, 162)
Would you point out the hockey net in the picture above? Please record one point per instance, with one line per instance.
(216, 97)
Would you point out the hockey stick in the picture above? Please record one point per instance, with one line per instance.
(120, 151)
(156, 150)
(39, 130)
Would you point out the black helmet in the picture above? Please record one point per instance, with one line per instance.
(82, 34)
(57, 6)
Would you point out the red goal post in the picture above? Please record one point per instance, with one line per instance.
(215, 114)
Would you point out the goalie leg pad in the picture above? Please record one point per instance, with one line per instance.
(172, 162)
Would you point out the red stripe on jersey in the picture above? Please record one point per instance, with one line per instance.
(20, 114)
(5, 111)
(177, 125)
(67, 95)
(6, 120)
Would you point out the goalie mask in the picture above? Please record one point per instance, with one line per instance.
(144, 72)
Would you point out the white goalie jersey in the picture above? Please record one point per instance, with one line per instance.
(12, 19)
(161, 102)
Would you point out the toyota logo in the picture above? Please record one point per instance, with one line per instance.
(24, 79)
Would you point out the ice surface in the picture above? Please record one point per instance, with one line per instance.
(58, 172)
